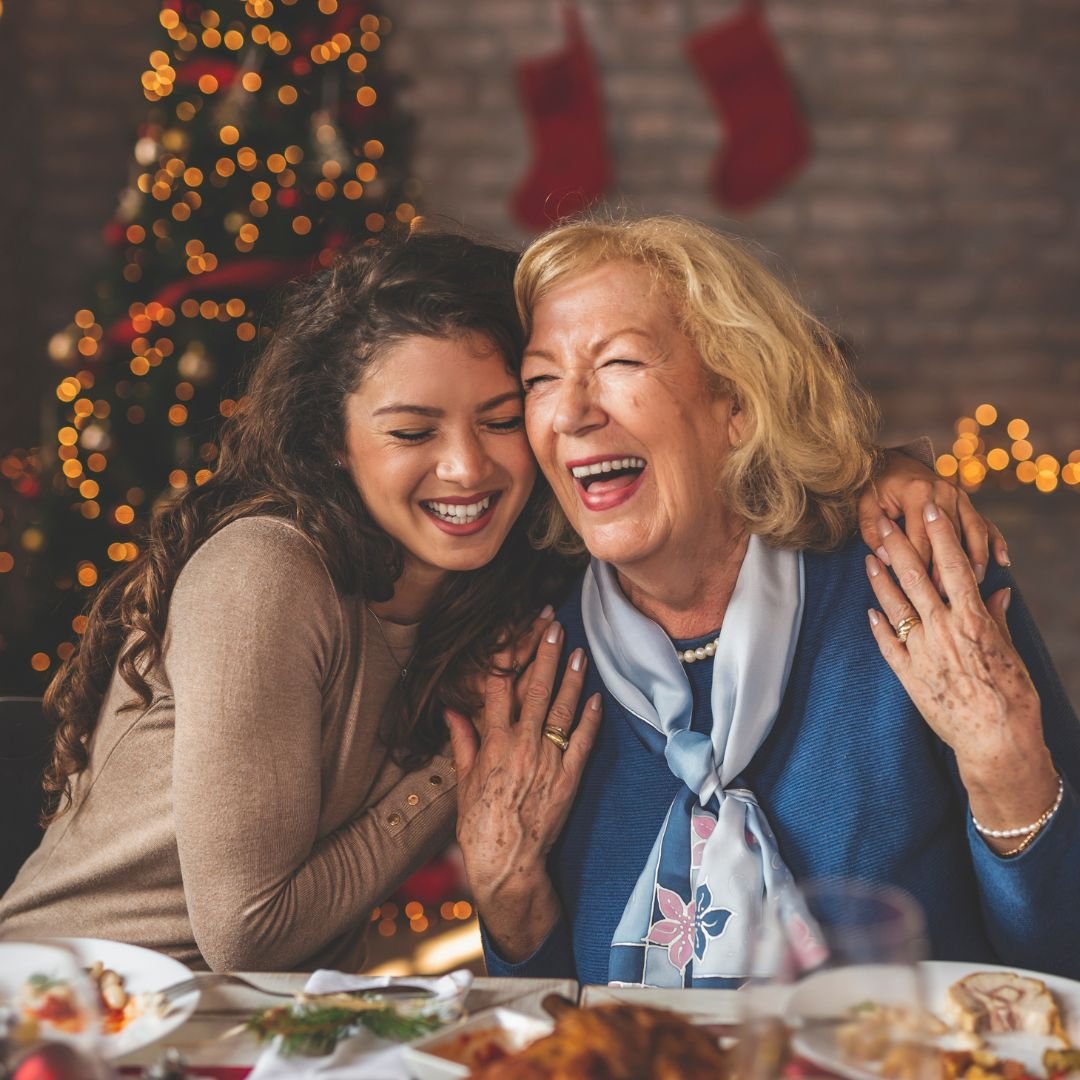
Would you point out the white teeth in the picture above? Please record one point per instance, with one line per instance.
(459, 513)
(581, 471)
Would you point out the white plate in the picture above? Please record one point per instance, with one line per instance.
(520, 1030)
(141, 969)
(832, 993)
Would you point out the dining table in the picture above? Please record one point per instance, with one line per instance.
(209, 1044)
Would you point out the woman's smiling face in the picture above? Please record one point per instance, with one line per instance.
(436, 446)
(622, 419)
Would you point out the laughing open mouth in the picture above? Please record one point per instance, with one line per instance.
(611, 473)
(459, 513)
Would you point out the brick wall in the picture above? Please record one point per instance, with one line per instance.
(69, 85)
(937, 225)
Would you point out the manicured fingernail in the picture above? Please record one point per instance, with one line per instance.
(873, 568)
(930, 512)
(884, 526)
(547, 612)
(1006, 600)
(980, 572)
(594, 702)
(874, 617)
(1003, 557)
(883, 555)
(577, 660)
(552, 636)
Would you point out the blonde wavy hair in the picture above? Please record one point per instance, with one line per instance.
(808, 445)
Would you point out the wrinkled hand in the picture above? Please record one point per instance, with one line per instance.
(905, 489)
(515, 789)
(960, 669)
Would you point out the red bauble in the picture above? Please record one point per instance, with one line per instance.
(115, 234)
(56, 1061)
(433, 883)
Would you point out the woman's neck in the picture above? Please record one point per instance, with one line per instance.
(687, 598)
(414, 593)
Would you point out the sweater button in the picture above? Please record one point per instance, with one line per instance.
(412, 800)
(394, 819)
(436, 780)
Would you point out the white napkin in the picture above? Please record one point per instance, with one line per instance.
(364, 1056)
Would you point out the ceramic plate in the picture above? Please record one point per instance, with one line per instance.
(832, 993)
(141, 969)
(514, 1031)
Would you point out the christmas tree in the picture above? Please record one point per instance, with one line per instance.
(271, 139)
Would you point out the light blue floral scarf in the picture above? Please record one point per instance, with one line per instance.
(691, 918)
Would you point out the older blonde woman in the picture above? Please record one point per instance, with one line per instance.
(705, 442)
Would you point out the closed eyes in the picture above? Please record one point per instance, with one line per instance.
(499, 427)
(536, 381)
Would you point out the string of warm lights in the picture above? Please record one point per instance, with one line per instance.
(389, 918)
(266, 147)
(988, 449)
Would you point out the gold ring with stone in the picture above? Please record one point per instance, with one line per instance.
(905, 626)
(558, 736)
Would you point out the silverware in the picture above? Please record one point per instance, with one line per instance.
(204, 980)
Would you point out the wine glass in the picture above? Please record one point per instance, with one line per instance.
(835, 978)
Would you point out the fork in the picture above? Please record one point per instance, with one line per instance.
(203, 980)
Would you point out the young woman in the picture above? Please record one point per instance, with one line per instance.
(248, 749)
(247, 754)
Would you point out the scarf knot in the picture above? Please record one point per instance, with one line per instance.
(689, 755)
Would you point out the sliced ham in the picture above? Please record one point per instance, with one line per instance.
(994, 1001)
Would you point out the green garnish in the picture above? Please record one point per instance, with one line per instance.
(864, 1007)
(315, 1032)
(388, 1024)
(44, 982)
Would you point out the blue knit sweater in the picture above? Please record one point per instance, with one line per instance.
(854, 783)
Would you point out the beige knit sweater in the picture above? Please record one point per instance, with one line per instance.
(249, 818)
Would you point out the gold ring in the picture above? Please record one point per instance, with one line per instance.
(557, 736)
(905, 626)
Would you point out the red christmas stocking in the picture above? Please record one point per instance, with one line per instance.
(767, 141)
(561, 97)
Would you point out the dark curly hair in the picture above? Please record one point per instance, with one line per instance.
(278, 458)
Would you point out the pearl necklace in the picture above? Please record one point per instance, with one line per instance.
(691, 656)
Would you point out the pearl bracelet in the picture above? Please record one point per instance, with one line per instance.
(1023, 830)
